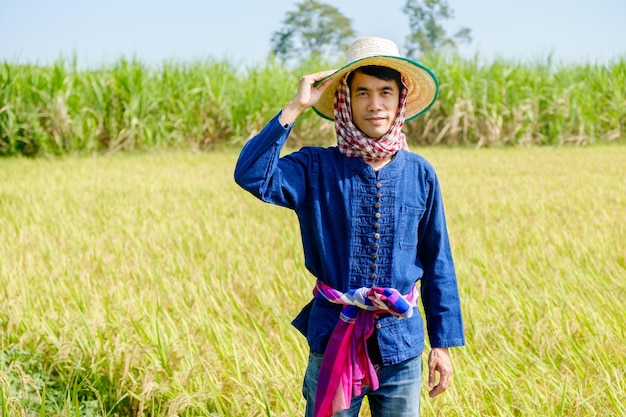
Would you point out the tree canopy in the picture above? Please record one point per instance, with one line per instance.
(318, 30)
(427, 32)
(313, 30)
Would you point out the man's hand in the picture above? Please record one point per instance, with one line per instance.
(306, 96)
(439, 361)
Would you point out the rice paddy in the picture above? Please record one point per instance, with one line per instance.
(149, 284)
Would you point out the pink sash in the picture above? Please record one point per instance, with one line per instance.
(346, 366)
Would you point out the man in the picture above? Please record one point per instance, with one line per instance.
(373, 226)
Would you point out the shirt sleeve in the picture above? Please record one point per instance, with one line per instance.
(439, 289)
(261, 171)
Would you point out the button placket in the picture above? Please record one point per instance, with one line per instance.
(376, 226)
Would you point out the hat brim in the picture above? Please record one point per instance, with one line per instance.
(422, 84)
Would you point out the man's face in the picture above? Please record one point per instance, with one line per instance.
(374, 104)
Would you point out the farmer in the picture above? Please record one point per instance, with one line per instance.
(374, 231)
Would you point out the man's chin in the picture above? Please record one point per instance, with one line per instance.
(373, 134)
(376, 135)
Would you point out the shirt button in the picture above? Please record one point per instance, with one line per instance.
(379, 195)
(375, 246)
(376, 235)
(377, 215)
(372, 276)
(378, 185)
(376, 225)
(377, 205)
(378, 326)
(373, 266)
(375, 256)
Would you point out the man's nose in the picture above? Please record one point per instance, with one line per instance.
(375, 103)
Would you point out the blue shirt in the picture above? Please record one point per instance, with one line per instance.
(362, 228)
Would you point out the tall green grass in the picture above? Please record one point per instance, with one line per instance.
(151, 285)
(524, 103)
(62, 108)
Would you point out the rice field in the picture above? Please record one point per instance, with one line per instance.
(149, 284)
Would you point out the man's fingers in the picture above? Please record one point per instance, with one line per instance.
(439, 363)
(445, 376)
(438, 389)
(311, 79)
(431, 376)
(323, 74)
(308, 93)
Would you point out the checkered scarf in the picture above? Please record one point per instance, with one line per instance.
(353, 142)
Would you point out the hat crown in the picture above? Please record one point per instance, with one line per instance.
(371, 46)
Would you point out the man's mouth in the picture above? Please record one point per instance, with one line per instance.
(376, 119)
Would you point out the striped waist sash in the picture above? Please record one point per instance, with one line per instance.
(346, 366)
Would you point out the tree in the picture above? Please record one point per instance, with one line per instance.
(427, 33)
(314, 30)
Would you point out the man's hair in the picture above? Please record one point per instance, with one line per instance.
(383, 73)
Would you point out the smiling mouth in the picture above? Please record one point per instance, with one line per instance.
(376, 119)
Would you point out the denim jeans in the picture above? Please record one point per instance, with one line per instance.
(398, 394)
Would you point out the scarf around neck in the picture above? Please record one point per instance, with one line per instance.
(352, 142)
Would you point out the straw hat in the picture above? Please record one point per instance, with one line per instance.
(422, 83)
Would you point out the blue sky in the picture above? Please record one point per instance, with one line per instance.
(38, 31)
